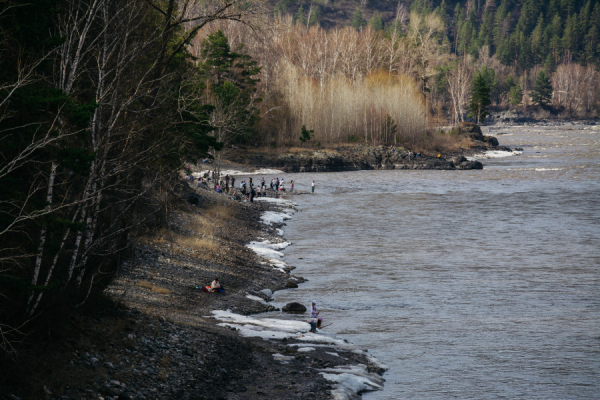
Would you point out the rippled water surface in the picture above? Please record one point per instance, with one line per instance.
(468, 284)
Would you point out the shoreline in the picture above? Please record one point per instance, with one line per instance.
(154, 335)
(367, 157)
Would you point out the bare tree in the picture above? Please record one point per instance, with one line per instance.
(459, 88)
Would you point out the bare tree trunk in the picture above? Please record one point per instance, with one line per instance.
(38, 260)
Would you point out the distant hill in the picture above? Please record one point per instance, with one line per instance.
(521, 33)
(339, 13)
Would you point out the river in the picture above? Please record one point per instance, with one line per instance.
(478, 284)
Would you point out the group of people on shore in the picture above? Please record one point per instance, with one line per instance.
(411, 154)
(247, 190)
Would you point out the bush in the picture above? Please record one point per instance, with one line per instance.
(353, 138)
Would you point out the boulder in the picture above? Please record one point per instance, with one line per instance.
(267, 292)
(294, 307)
(491, 141)
(459, 160)
(470, 165)
(472, 131)
(291, 284)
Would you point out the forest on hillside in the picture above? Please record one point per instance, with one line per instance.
(540, 57)
(519, 32)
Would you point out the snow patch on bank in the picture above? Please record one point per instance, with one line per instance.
(275, 200)
(234, 172)
(494, 154)
(274, 217)
(350, 379)
(270, 251)
(266, 248)
(256, 298)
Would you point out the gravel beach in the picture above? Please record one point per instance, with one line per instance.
(153, 334)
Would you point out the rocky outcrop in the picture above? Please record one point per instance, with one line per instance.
(350, 158)
(480, 141)
(461, 162)
(364, 157)
(509, 116)
(472, 131)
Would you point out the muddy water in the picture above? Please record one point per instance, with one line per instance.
(468, 284)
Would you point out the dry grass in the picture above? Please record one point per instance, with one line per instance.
(221, 212)
(436, 142)
(199, 244)
(154, 288)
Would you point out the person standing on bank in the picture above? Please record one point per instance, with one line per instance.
(312, 187)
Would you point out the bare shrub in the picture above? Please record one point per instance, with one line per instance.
(343, 106)
(575, 88)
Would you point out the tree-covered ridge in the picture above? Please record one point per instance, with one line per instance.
(524, 33)
(520, 33)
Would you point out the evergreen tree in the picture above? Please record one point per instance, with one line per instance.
(571, 35)
(549, 63)
(480, 98)
(501, 18)
(442, 11)
(538, 41)
(231, 77)
(358, 22)
(281, 7)
(515, 95)
(486, 29)
(300, 17)
(591, 46)
(306, 135)
(542, 90)
(491, 81)
(376, 22)
(315, 16)
(567, 6)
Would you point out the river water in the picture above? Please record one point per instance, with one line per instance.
(468, 284)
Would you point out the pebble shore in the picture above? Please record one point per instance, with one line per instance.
(153, 336)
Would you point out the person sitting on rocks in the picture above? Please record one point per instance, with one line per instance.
(215, 286)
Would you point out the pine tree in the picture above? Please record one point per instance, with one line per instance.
(231, 76)
(315, 16)
(591, 46)
(542, 90)
(515, 95)
(358, 22)
(567, 6)
(570, 37)
(486, 29)
(299, 17)
(538, 41)
(549, 63)
(306, 135)
(442, 11)
(376, 22)
(500, 19)
(480, 98)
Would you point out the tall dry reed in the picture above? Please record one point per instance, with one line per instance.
(381, 107)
